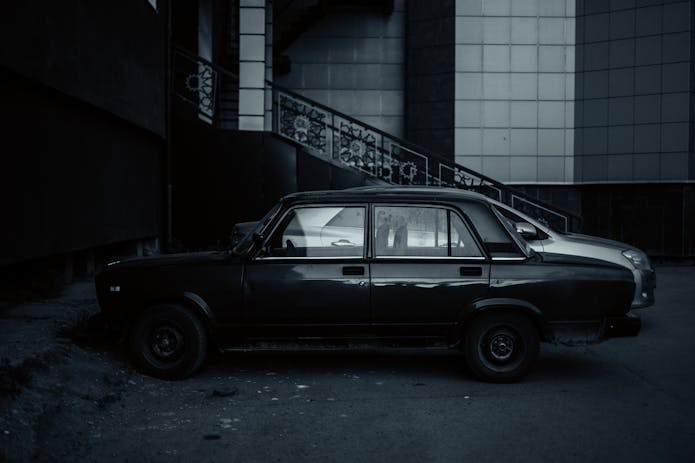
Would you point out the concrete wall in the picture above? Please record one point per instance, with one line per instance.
(82, 86)
(73, 176)
(353, 60)
(657, 218)
(252, 64)
(634, 74)
(515, 89)
(109, 54)
(430, 81)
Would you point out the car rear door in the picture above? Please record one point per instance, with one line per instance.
(426, 267)
(312, 278)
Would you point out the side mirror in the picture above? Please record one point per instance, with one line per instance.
(526, 230)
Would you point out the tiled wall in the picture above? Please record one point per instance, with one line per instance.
(514, 89)
(269, 9)
(353, 60)
(633, 90)
(252, 64)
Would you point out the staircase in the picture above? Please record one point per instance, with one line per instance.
(297, 17)
(345, 141)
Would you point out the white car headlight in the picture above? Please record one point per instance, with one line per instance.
(637, 258)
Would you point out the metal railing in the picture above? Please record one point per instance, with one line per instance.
(210, 90)
(342, 139)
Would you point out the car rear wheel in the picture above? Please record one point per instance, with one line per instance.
(501, 346)
(168, 342)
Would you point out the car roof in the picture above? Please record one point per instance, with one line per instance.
(388, 192)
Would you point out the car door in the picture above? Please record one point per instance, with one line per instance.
(426, 267)
(311, 279)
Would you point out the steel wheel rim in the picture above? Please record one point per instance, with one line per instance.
(166, 342)
(501, 348)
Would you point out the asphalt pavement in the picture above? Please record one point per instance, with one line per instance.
(624, 399)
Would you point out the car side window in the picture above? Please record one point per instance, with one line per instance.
(325, 231)
(421, 231)
(495, 237)
(462, 242)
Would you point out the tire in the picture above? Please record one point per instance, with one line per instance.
(501, 347)
(168, 342)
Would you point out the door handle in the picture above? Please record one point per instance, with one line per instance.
(353, 270)
(471, 271)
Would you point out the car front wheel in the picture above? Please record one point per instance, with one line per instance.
(501, 346)
(168, 342)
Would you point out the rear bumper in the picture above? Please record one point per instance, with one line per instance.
(618, 327)
(645, 283)
(591, 332)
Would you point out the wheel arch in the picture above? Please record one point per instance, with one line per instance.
(484, 306)
(202, 310)
(188, 300)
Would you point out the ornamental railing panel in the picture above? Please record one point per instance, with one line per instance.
(303, 124)
(408, 167)
(195, 82)
(357, 147)
(451, 175)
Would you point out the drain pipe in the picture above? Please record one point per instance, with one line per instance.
(168, 233)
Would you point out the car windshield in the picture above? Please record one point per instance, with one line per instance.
(515, 217)
(245, 244)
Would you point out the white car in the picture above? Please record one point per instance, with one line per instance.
(544, 239)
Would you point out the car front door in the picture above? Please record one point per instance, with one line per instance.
(426, 267)
(311, 278)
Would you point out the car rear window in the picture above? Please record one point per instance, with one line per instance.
(492, 231)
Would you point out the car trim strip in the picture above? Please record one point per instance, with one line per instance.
(350, 258)
(477, 259)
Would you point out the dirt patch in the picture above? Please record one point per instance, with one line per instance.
(14, 378)
(56, 376)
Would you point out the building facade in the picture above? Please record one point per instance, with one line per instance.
(572, 107)
(584, 103)
(84, 127)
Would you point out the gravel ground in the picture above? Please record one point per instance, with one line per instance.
(63, 399)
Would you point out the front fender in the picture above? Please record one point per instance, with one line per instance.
(201, 306)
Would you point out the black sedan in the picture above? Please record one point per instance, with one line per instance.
(372, 266)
